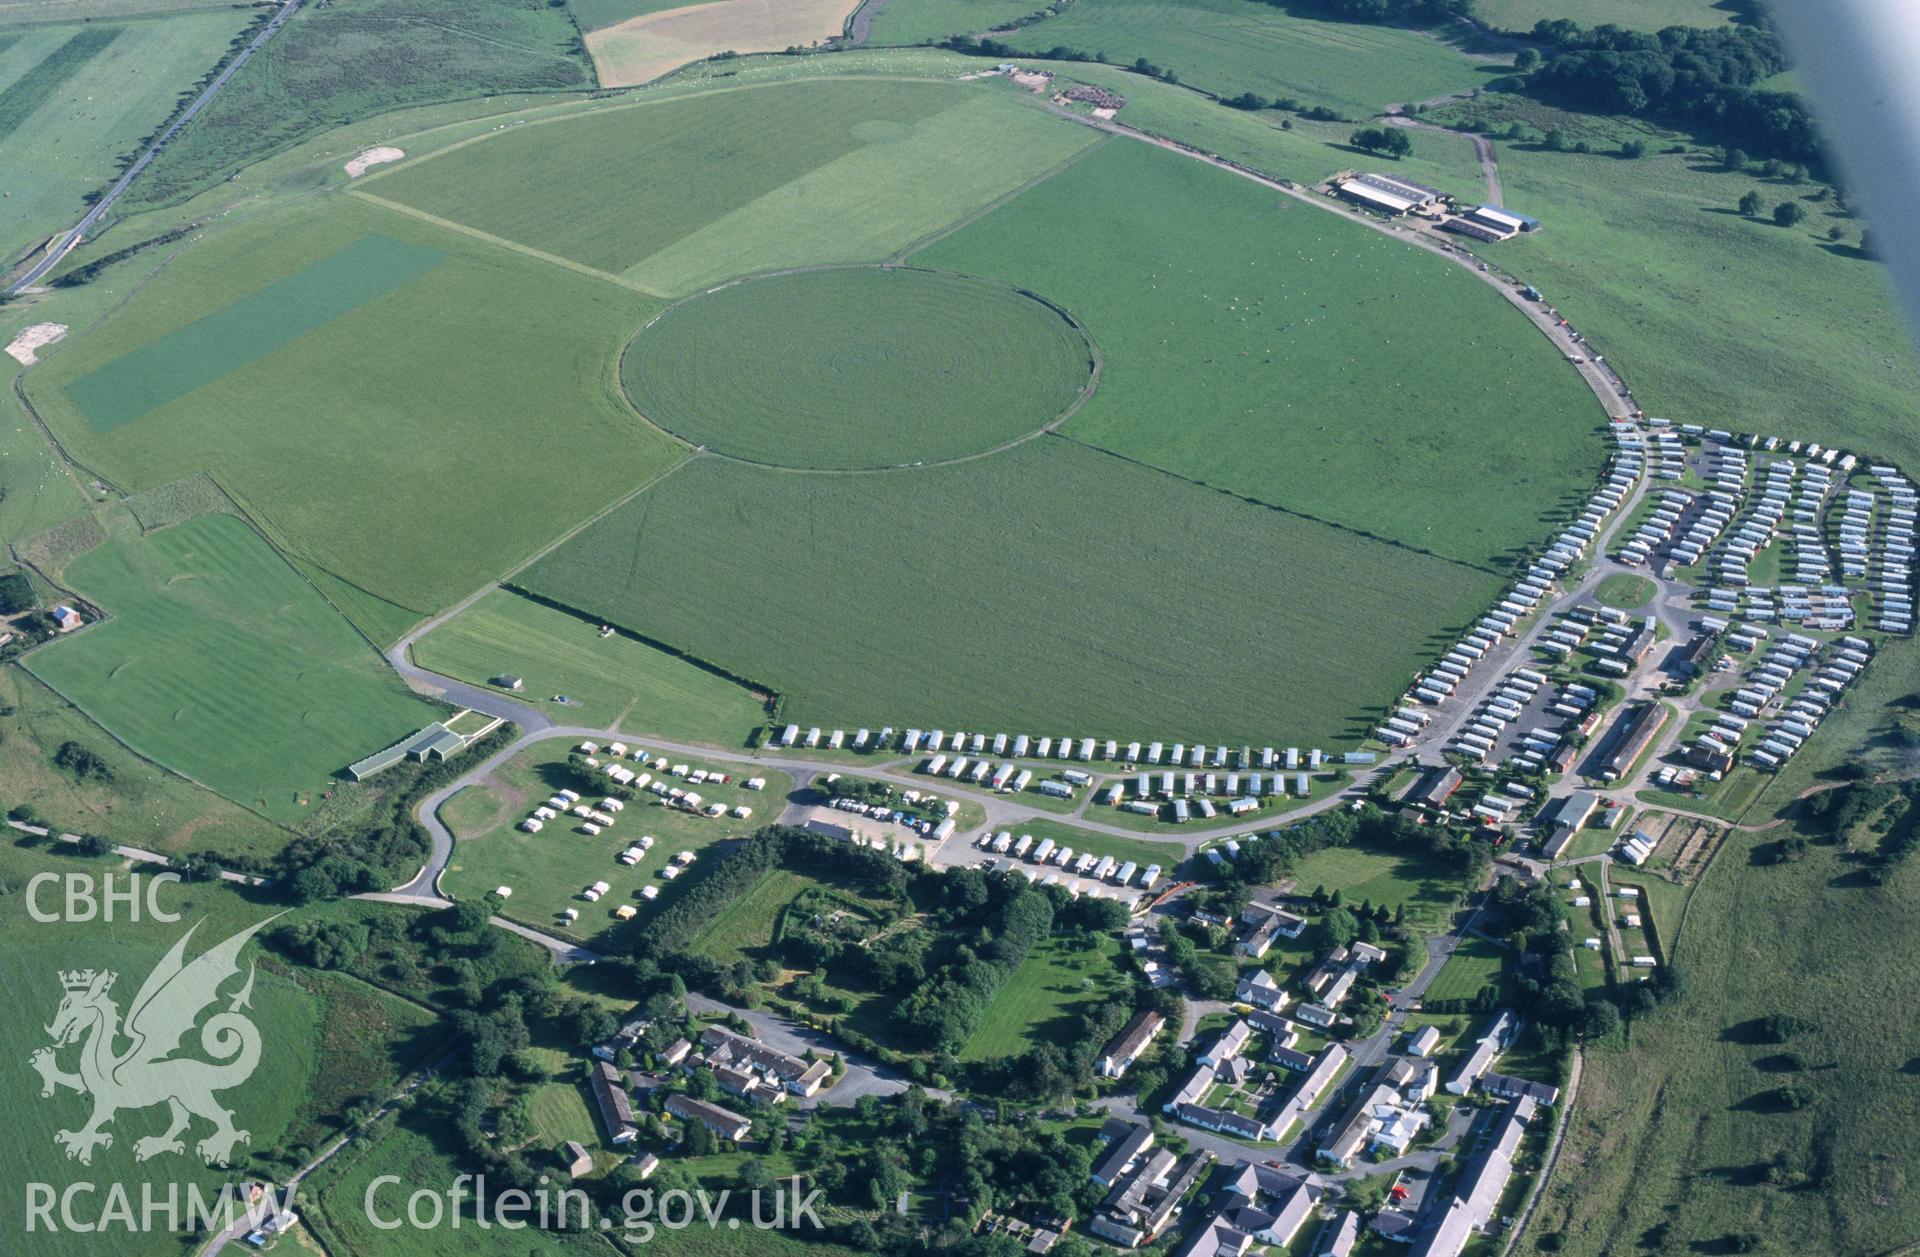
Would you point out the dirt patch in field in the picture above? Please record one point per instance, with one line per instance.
(372, 157)
(646, 47)
(28, 339)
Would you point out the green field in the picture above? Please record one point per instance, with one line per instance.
(249, 329)
(138, 803)
(301, 1017)
(1231, 46)
(1671, 1131)
(336, 63)
(73, 99)
(924, 21)
(1061, 982)
(1474, 964)
(745, 927)
(858, 367)
(1424, 883)
(1709, 316)
(1079, 614)
(341, 443)
(608, 681)
(1272, 350)
(1633, 15)
(834, 170)
(37, 492)
(548, 870)
(219, 662)
(593, 15)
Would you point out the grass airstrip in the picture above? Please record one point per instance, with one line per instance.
(222, 664)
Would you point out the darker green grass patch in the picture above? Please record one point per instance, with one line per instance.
(247, 330)
(31, 90)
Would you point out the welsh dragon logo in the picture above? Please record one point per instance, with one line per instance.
(147, 1073)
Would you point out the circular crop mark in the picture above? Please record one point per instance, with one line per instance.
(857, 368)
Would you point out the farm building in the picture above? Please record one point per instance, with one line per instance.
(722, 1122)
(1387, 194)
(616, 1111)
(1632, 733)
(1435, 788)
(435, 742)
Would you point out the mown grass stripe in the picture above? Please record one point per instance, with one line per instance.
(247, 330)
(32, 89)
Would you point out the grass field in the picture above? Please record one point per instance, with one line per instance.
(336, 63)
(415, 1153)
(1706, 314)
(548, 870)
(1633, 15)
(338, 442)
(858, 367)
(831, 170)
(75, 98)
(1671, 1132)
(1231, 46)
(36, 490)
(1423, 883)
(1312, 364)
(1272, 141)
(297, 1014)
(1077, 615)
(609, 681)
(559, 1113)
(219, 662)
(745, 927)
(138, 803)
(649, 45)
(924, 21)
(1059, 983)
(1625, 591)
(22, 12)
(1474, 964)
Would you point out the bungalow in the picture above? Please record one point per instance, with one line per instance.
(1508, 1087)
(1452, 1223)
(1130, 1044)
(1424, 1041)
(1264, 925)
(1481, 1059)
(1124, 1148)
(1262, 991)
(1232, 1041)
(1317, 1014)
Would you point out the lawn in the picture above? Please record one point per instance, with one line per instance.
(644, 47)
(1070, 613)
(924, 21)
(559, 1112)
(823, 368)
(548, 870)
(300, 1017)
(1048, 997)
(336, 63)
(609, 682)
(833, 170)
(1474, 964)
(1423, 882)
(1707, 314)
(220, 663)
(1226, 47)
(75, 98)
(1625, 591)
(1313, 364)
(745, 927)
(1671, 1131)
(339, 442)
